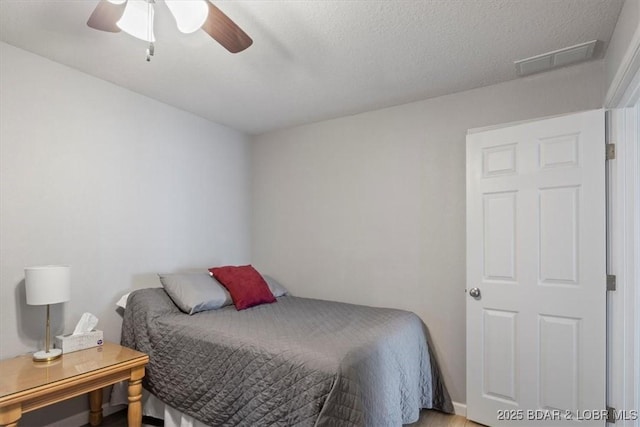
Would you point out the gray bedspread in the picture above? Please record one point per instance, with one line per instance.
(296, 362)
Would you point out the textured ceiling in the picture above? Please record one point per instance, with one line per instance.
(313, 60)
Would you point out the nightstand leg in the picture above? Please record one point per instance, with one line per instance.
(95, 405)
(9, 415)
(134, 415)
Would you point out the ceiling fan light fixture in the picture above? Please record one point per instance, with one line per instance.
(137, 20)
(190, 15)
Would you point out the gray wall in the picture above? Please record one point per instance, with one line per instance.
(116, 185)
(370, 209)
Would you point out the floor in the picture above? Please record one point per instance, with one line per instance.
(438, 419)
(427, 419)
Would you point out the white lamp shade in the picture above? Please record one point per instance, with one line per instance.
(137, 20)
(50, 284)
(117, 1)
(189, 14)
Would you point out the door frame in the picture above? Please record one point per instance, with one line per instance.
(623, 99)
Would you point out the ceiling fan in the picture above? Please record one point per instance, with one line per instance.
(136, 18)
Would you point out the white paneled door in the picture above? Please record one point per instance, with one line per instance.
(536, 273)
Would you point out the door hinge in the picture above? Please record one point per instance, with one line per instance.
(611, 415)
(611, 151)
(611, 282)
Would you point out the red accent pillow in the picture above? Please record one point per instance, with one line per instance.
(246, 286)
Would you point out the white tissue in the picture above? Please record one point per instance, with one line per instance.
(86, 324)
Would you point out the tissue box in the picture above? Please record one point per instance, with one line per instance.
(69, 343)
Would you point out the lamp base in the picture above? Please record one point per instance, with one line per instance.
(47, 356)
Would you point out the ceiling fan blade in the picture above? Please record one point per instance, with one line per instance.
(225, 31)
(105, 16)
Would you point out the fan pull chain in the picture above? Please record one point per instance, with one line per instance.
(151, 48)
(150, 51)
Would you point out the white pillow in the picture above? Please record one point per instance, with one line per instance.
(122, 302)
(194, 292)
(275, 287)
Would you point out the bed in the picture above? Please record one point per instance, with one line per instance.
(295, 362)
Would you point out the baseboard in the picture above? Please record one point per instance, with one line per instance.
(460, 409)
(82, 418)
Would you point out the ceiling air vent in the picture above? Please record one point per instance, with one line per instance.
(557, 58)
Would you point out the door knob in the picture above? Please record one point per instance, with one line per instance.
(474, 292)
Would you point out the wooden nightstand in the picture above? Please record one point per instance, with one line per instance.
(26, 385)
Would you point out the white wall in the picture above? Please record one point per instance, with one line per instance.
(115, 184)
(623, 83)
(622, 45)
(370, 208)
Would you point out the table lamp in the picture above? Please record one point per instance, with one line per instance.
(47, 285)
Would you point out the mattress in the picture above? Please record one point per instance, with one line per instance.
(296, 362)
